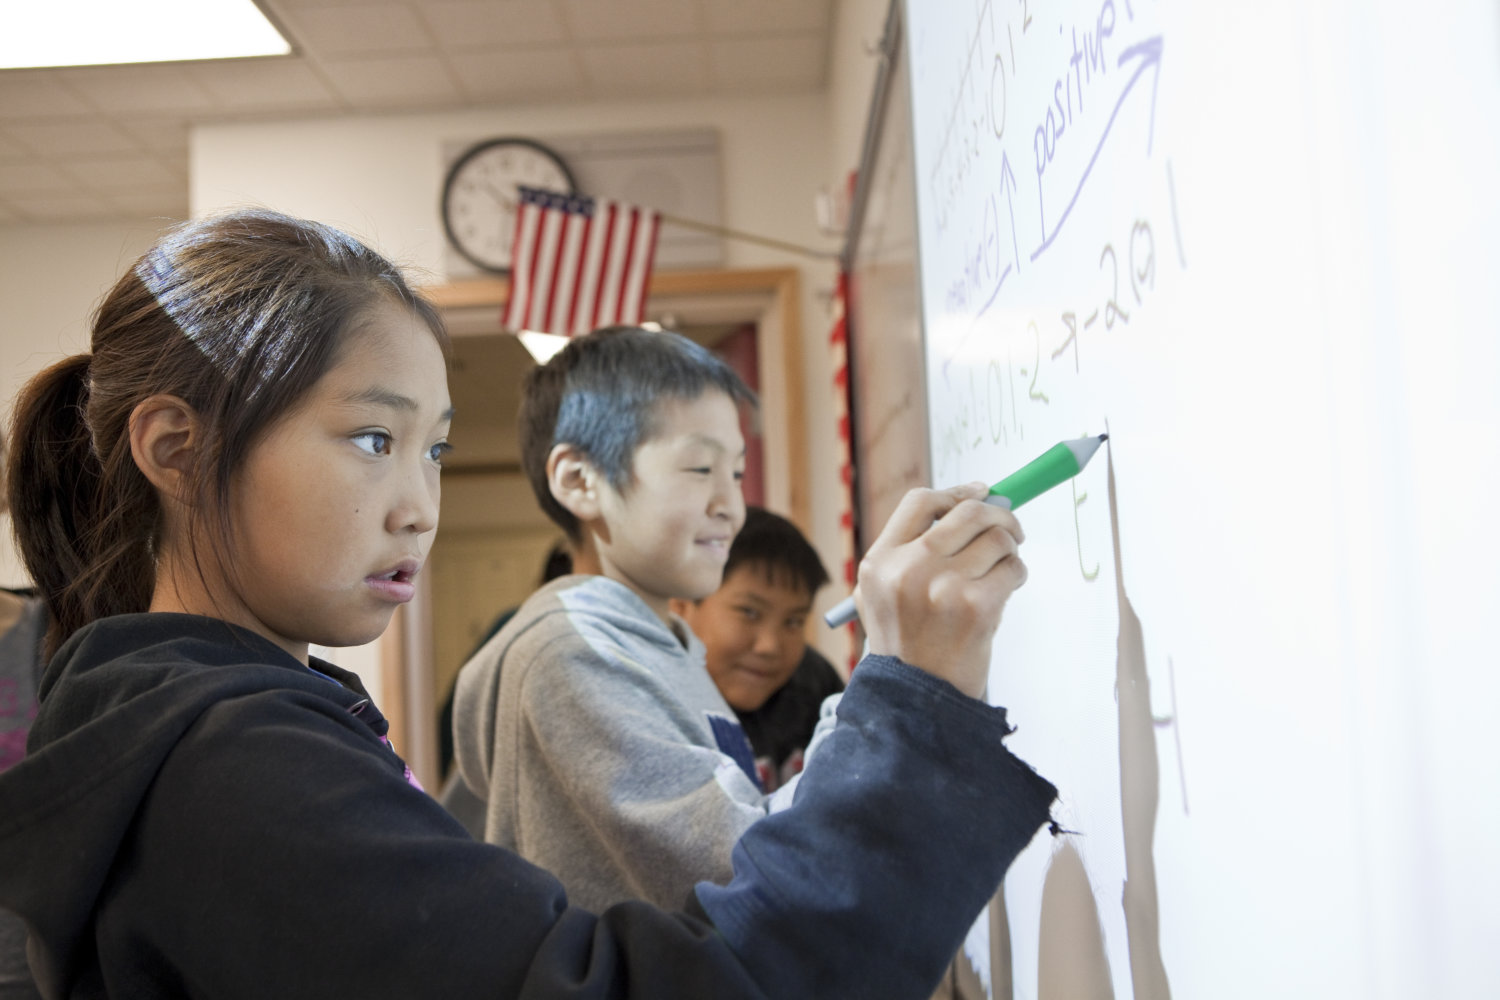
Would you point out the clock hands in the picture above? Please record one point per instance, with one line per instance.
(506, 201)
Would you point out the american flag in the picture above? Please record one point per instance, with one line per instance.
(578, 263)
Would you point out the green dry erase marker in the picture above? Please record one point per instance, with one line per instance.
(1052, 467)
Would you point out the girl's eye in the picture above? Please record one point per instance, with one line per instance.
(739, 475)
(373, 442)
(438, 450)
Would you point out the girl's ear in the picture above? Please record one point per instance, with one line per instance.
(165, 435)
(574, 482)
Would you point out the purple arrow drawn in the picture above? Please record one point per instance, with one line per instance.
(1149, 52)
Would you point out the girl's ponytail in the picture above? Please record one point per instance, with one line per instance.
(83, 528)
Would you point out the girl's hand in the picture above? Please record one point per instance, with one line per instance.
(932, 587)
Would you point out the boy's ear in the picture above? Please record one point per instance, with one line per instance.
(574, 482)
(681, 607)
(165, 434)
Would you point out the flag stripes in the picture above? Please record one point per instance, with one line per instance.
(579, 263)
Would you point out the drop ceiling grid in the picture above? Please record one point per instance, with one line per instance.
(110, 142)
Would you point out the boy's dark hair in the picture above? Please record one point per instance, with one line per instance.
(239, 316)
(602, 394)
(773, 545)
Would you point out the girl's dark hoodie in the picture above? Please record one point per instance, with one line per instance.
(202, 815)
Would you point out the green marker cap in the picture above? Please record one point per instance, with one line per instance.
(1054, 466)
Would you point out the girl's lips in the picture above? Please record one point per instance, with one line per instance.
(399, 591)
(396, 584)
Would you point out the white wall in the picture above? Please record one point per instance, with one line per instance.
(857, 29)
(380, 177)
(51, 278)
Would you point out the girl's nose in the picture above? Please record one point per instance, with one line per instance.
(417, 504)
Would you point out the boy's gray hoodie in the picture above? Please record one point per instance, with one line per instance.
(602, 747)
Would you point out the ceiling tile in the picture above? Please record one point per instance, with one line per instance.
(519, 75)
(150, 203)
(478, 24)
(158, 135)
(362, 29)
(496, 74)
(139, 90)
(89, 135)
(374, 84)
(792, 63)
(61, 207)
(279, 7)
(26, 177)
(668, 69)
(37, 94)
(765, 16)
(107, 174)
(9, 150)
(593, 20)
(265, 85)
(71, 139)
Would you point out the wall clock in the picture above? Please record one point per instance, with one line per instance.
(479, 195)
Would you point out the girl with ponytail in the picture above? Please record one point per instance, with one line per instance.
(246, 463)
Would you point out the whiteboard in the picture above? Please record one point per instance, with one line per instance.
(1257, 245)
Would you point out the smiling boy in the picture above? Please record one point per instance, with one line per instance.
(754, 631)
(589, 724)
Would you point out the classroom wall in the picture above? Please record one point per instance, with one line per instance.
(857, 29)
(51, 277)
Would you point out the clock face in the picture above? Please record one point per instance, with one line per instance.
(479, 198)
